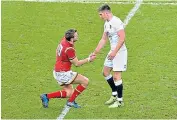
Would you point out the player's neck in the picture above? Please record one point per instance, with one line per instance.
(110, 16)
(71, 42)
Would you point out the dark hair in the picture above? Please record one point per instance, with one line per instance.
(104, 7)
(70, 34)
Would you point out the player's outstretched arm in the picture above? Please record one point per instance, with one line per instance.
(101, 43)
(78, 63)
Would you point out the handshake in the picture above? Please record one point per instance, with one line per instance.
(91, 57)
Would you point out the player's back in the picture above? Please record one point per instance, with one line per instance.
(64, 53)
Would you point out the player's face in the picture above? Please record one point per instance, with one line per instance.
(103, 15)
(75, 36)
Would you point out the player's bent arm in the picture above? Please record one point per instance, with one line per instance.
(78, 63)
(121, 35)
(101, 43)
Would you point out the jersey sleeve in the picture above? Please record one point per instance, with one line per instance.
(118, 25)
(70, 52)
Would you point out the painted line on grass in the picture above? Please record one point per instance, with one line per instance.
(132, 12)
(110, 2)
(64, 112)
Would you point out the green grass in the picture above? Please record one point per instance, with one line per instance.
(31, 32)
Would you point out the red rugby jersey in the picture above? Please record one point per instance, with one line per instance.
(64, 53)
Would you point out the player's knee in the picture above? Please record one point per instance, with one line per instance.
(105, 73)
(85, 82)
(117, 77)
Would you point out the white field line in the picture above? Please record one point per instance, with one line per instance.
(110, 2)
(132, 12)
(64, 112)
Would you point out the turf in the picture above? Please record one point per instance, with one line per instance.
(31, 32)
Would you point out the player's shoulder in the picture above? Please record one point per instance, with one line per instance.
(65, 43)
(116, 19)
(69, 48)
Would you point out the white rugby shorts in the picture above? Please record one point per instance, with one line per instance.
(119, 63)
(64, 77)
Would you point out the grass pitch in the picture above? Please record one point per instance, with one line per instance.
(31, 32)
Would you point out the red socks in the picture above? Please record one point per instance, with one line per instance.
(62, 93)
(76, 92)
(58, 94)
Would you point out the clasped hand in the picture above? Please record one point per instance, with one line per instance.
(92, 57)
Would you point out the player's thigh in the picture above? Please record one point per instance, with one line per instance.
(107, 62)
(80, 79)
(106, 71)
(120, 61)
(65, 78)
(117, 75)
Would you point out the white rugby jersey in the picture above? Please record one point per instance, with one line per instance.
(111, 28)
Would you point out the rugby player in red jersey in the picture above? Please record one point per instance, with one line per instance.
(65, 57)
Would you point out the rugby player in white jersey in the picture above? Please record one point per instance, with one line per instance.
(116, 60)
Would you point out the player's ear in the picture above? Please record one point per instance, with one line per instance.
(71, 40)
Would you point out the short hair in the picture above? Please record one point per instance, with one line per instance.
(70, 34)
(104, 7)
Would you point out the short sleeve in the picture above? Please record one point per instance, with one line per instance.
(70, 52)
(118, 25)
